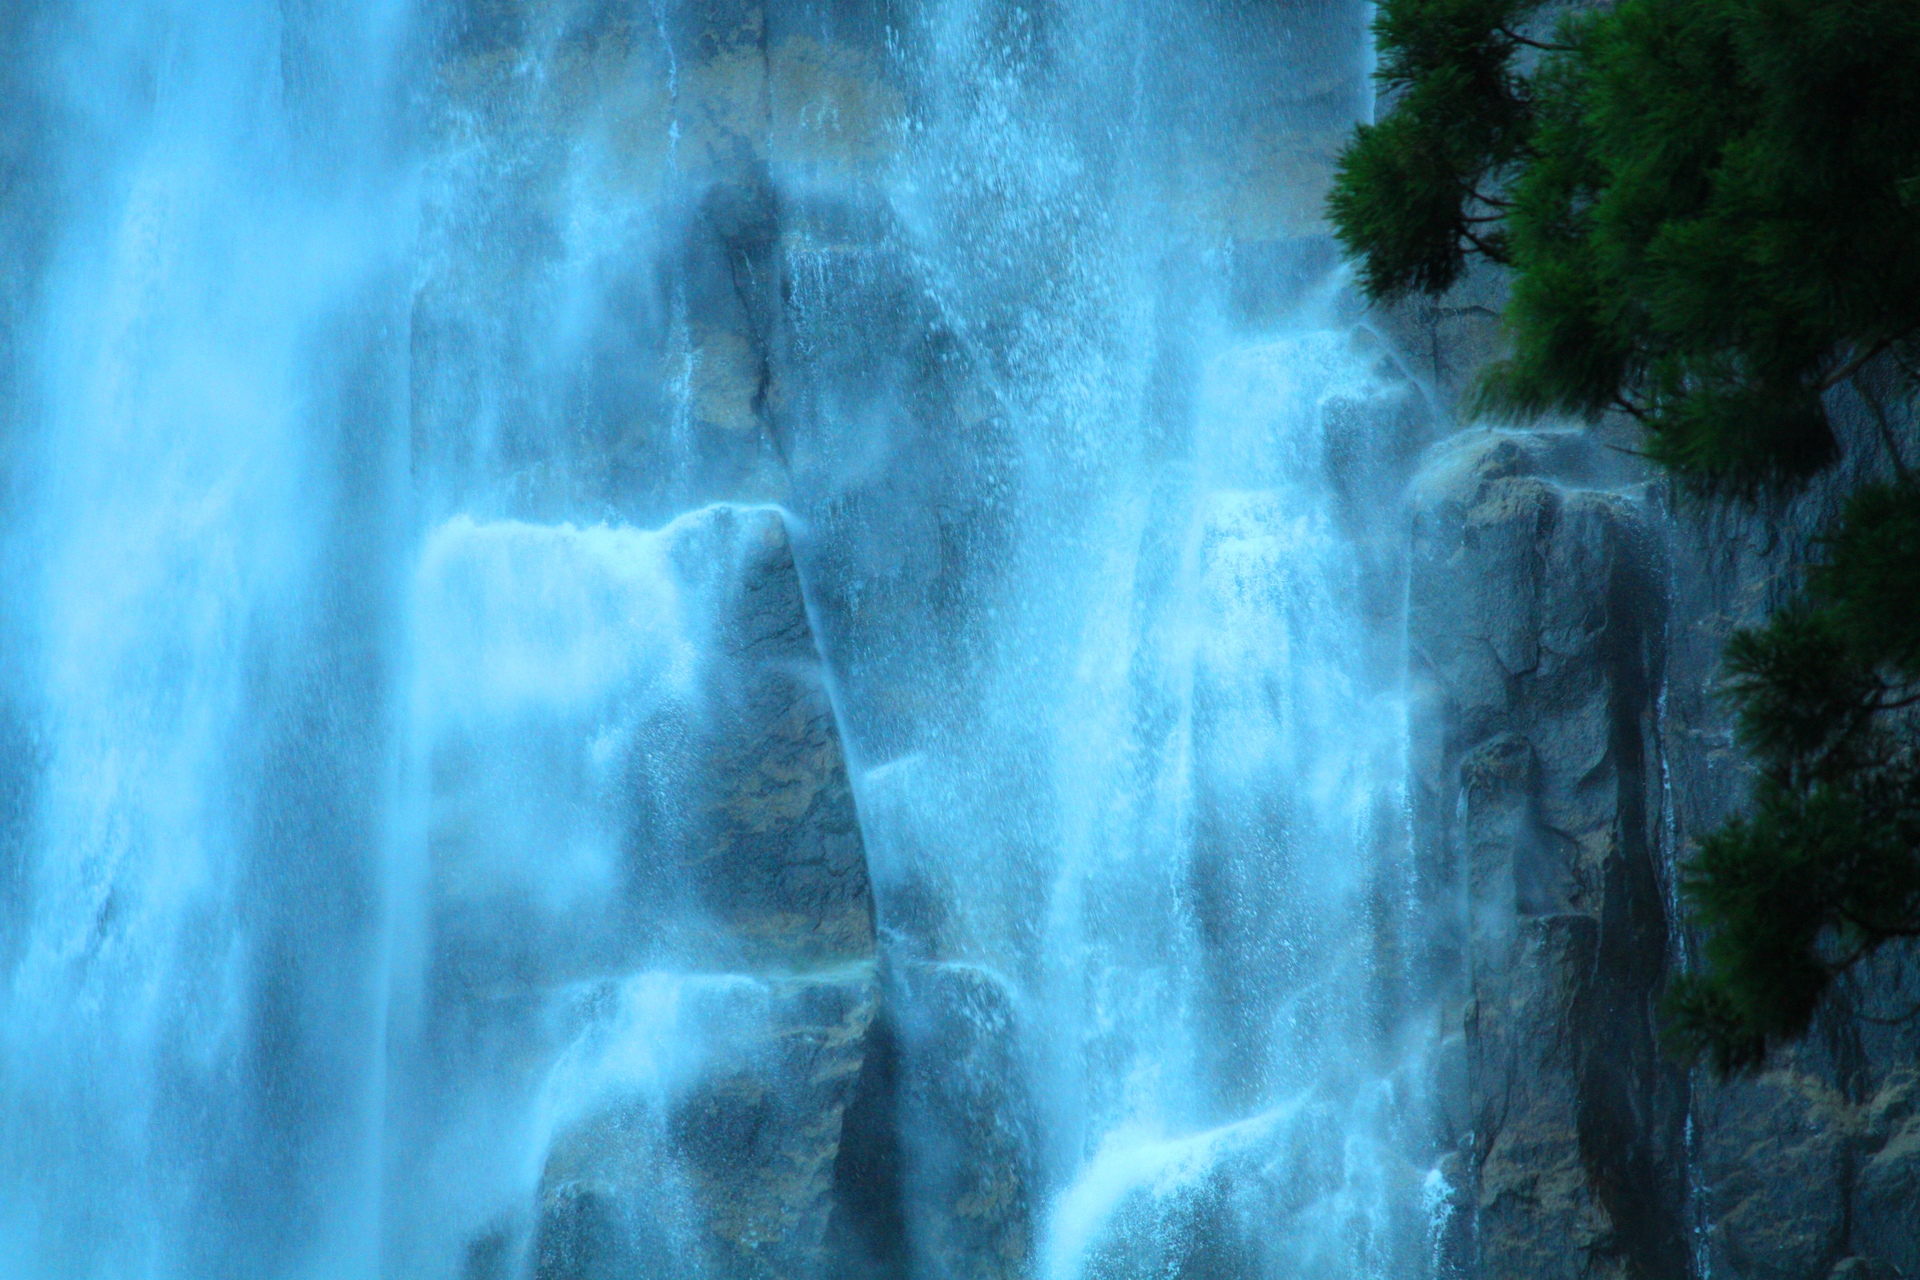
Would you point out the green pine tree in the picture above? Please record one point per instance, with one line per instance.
(1710, 212)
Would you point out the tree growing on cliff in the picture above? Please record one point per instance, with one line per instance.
(1710, 212)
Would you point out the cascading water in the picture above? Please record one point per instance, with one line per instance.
(700, 639)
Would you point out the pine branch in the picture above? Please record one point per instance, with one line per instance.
(1486, 250)
(1632, 410)
(1861, 359)
(1545, 46)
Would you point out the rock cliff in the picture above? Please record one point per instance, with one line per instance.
(1568, 612)
(1565, 613)
(1535, 619)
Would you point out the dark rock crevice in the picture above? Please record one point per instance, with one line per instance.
(867, 1230)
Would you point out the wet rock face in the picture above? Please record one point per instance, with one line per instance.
(1551, 600)
(650, 706)
(969, 1198)
(773, 850)
(690, 982)
(1534, 617)
(1804, 1170)
(609, 221)
(733, 1176)
(728, 1169)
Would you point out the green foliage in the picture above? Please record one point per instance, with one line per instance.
(1871, 577)
(1788, 897)
(1827, 866)
(1711, 214)
(1711, 207)
(1403, 201)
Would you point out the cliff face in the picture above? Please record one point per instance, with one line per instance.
(1565, 618)
(1568, 613)
(539, 935)
(1809, 1169)
(770, 330)
(1535, 621)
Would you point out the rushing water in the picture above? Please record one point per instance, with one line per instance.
(402, 403)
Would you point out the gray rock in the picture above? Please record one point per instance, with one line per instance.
(1784, 1161)
(1886, 1211)
(771, 843)
(694, 1031)
(1534, 607)
(1538, 1212)
(701, 770)
(730, 1176)
(1774, 1158)
(1191, 1231)
(1448, 339)
(1570, 744)
(970, 1179)
(736, 1166)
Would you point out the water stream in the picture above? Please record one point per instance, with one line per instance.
(699, 638)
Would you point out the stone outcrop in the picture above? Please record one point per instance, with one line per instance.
(730, 1171)
(776, 341)
(690, 996)
(1568, 616)
(1807, 1169)
(1535, 618)
(970, 1202)
(731, 1177)
(770, 843)
(626, 184)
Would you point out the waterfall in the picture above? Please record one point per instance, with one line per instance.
(701, 638)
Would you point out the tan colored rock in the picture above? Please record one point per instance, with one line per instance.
(773, 851)
(970, 1201)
